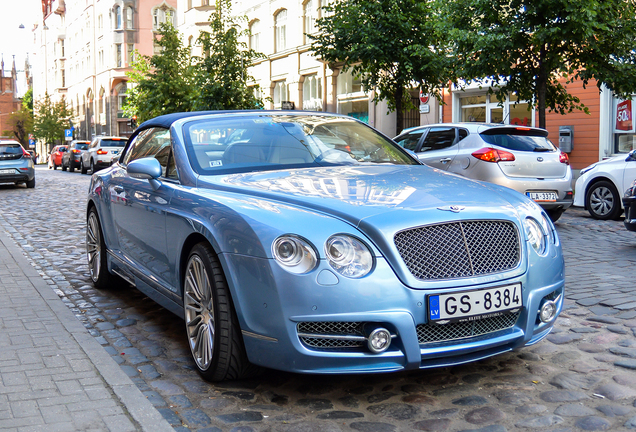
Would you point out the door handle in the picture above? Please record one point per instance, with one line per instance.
(118, 189)
(445, 160)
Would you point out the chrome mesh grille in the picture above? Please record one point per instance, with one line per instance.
(459, 249)
(333, 329)
(429, 333)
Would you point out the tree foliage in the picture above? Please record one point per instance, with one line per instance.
(50, 120)
(391, 44)
(221, 75)
(163, 83)
(27, 99)
(21, 123)
(534, 48)
(174, 81)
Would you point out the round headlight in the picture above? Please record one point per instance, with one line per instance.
(294, 254)
(348, 256)
(536, 236)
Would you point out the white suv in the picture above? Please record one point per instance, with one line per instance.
(102, 152)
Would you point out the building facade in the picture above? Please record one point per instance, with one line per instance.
(9, 100)
(85, 49)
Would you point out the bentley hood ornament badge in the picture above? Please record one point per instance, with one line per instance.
(452, 208)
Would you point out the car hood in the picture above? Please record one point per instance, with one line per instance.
(380, 195)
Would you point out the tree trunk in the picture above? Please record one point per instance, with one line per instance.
(399, 113)
(542, 82)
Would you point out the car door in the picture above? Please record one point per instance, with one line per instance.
(139, 210)
(439, 147)
(629, 175)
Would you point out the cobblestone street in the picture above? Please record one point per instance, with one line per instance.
(582, 377)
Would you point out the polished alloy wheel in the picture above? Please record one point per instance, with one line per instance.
(199, 312)
(93, 246)
(602, 201)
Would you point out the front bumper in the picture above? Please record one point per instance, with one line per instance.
(272, 314)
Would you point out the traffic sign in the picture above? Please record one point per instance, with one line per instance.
(68, 134)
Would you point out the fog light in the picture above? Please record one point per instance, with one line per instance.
(548, 311)
(379, 340)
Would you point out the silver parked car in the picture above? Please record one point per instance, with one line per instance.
(102, 152)
(519, 157)
(16, 164)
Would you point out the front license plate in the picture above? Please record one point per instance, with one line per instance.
(542, 196)
(465, 305)
(7, 171)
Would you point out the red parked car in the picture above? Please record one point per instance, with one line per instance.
(55, 158)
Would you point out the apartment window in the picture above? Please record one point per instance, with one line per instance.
(100, 56)
(131, 54)
(63, 75)
(311, 12)
(280, 24)
(62, 47)
(129, 17)
(121, 90)
(117, 17)
(162, 14)
(312, 93)
(118, 58)
(255, 34)
(100, 22)
(189, 5)
(281, 93)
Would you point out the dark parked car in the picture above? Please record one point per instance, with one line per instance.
(309, 242)
(629, 204)
(72, 158)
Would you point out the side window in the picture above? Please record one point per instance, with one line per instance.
(410, 140)
(155, 143)
(463, 133)
(94, 143)
(439, 138)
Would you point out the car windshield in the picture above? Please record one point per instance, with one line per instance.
(10, 149)
(267, 142)
(113, 142)
(81, 146)
(520, 140)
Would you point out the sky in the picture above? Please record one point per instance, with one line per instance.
(16, 41)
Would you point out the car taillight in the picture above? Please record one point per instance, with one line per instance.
(563, 158)
(488, 154)
(102, 152)
(26, 154)
(76, 151)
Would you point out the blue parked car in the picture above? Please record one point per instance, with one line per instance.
(312, 243)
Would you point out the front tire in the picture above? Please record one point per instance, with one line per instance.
(212, 328)
(63, 167)
(96, 251)
(602, 201)
(82, 168)
(92, 166)
(71, 167)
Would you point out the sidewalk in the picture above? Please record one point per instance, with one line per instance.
(54, 376)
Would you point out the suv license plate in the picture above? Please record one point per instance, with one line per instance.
(7, 171)
(462, 306)
(542, 196)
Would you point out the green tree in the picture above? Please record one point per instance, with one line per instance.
(27, 99)
(21, 123)
(534, 48)
(163, 83)
(221, 75)
(391, 44)
(50, 120)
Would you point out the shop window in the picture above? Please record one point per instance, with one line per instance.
(487, 109)
(312, 93)
(281, 93)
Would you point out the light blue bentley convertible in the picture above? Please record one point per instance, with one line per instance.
(312, 243)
